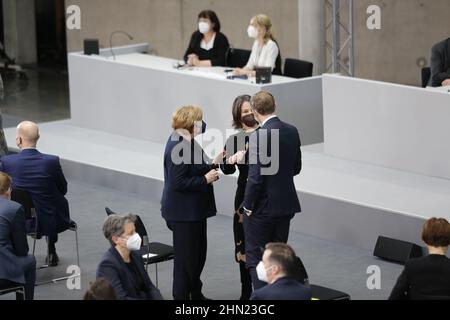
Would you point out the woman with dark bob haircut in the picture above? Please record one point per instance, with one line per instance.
(237, 157)
(208, 46)
(427, 278)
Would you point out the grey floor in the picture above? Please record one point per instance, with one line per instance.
(339, 267)
(45, 98)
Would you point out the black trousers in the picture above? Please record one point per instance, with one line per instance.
(190, 245)
(28, 265)
(260, 231)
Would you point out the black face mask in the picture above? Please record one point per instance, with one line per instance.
(249, 120)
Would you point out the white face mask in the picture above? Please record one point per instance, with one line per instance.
(203, 27)
(252, 32)
(134, 242)
(262, 272)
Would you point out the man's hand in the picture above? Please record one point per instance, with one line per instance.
(446, 83)
(212, 176)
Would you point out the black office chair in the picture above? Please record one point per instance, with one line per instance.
(426, 76)
(23, 197)
(299, 273)
(298, 69)
(7, 287)
(162, 252)
(237, 58)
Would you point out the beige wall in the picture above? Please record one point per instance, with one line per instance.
(168, 24)
(409, 28)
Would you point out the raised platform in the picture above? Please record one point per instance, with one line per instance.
(344, 201)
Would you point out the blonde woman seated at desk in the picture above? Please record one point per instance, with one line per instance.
(265, 51)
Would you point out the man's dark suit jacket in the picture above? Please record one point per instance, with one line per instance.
(187, 197)
(13, 241)
(440, 63)
(274, 195)
(283, 289)
(113, 268)
(423, 279)
(41, 175)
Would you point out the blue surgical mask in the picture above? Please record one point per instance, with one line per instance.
(203, 127)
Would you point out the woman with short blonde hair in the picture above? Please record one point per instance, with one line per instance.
(185, 118)
(188, 200)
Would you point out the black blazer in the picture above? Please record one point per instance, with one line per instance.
(440, 63)
(187, 197)
(274, 195)
(423, 279)
(283, 289)
(218, 53)
(113, 268)
(13, 241)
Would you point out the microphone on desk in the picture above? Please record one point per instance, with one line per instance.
(111, 37)
(146, 244)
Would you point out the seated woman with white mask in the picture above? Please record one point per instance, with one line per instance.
(265, 50)
(122, 265)
(208, 46)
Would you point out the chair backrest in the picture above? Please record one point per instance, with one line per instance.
(237, 58)
(298, 69)
(426, 76)
(277, 70)
(23, 197)
(299, 272)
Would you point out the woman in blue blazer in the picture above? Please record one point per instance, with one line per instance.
(188, 200)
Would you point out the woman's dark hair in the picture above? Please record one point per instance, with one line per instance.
(436, 232)
(101, 289)
(212, 16)
(237, 110)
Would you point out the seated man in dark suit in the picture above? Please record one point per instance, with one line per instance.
(277, 259)
(122, 265)
(440, 64)
(16, 265)
(427, 278)
(41, 175)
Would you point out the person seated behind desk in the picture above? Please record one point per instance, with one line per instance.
(427, 278)
(122, 265)
(278, 259)
(16, 265)
(208, 46)
(440, 64)
(265, 51)
(42, 176)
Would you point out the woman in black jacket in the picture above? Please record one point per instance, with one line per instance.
(237, 157)
(427, 278)
(208, 46)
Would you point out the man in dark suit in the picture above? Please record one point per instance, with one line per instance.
(275, 268)
(41, 175)
(16, 265)
(440, 64)
(270, 200)
(427, 278)
(122, 265)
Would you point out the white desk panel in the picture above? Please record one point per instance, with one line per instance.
(136, 95)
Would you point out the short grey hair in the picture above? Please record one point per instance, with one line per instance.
(115, 226)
